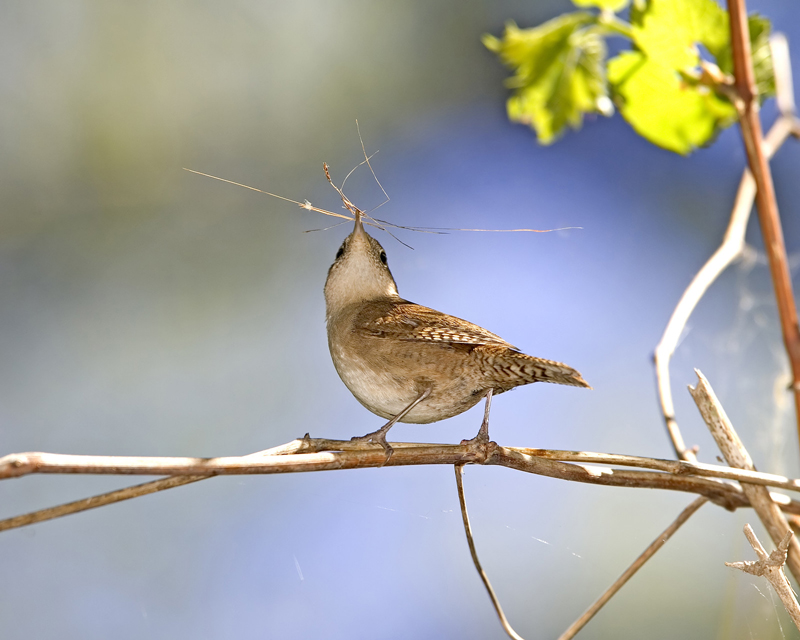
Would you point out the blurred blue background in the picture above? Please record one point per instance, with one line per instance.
(148, 311)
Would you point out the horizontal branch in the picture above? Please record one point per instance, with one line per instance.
(678, 467)
(724, 494)
(308, 454)
(19, 464)
(320, 454)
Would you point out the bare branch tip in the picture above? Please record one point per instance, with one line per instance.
(787, 539)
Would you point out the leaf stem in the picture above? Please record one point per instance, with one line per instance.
(615, 25)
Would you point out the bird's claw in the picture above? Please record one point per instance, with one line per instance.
(477, 441)
(481, 439)
(376, 437)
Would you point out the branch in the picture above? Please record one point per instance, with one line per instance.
(648, 553)
(736, 455)
(19, 464)
(771, 567)
(765, 191)
(678, 467)
(484, 578)
(309, 454)
(122, 494)
(325, 455)
(782, 71)
(731, 248)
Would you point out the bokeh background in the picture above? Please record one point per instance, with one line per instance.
(148, 311)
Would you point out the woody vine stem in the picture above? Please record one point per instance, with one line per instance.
(765, 190)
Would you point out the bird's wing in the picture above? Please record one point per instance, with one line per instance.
(414, 323)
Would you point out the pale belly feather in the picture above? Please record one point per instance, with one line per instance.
(387, 395)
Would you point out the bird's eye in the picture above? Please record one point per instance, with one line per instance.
(383, 257)
(340, 252)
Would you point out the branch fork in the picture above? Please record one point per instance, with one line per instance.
(771, 567)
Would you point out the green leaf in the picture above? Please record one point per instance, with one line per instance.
(664, 109)
(760, 29)
(653, 86)
(668, 31)
(559, 73)
(609, 5)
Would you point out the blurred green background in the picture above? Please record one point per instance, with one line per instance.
(148, 311)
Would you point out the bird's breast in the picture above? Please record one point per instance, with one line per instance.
(377, 388)
(388, 375)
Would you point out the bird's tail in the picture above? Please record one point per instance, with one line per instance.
(541, 370)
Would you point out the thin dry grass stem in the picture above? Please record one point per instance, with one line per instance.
(471, 542)
(648, 553)
(319, 454)
(737, 456)
(303, 205)
(358, 213)
(446, 229)
(345, 200)
(367, 160)
(766, 203)
(729, 251)
(378, 223)
(771, 567)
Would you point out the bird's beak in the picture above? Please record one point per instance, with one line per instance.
(359, 227)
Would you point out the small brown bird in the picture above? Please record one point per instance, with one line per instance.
(409, 363)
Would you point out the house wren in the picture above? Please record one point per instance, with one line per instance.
(406, 362)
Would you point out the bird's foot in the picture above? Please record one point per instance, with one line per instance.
(480, 445)
(376, 437)
(482, 438)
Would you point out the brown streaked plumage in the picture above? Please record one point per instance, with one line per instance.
(409, 363)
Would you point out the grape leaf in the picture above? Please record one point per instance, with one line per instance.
(668, 31)
(658, 86)
(651, 86)
(661, 107)
(559, 73)
(760, 29)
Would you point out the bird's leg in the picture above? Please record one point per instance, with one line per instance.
(483, 432)
(379, 436)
